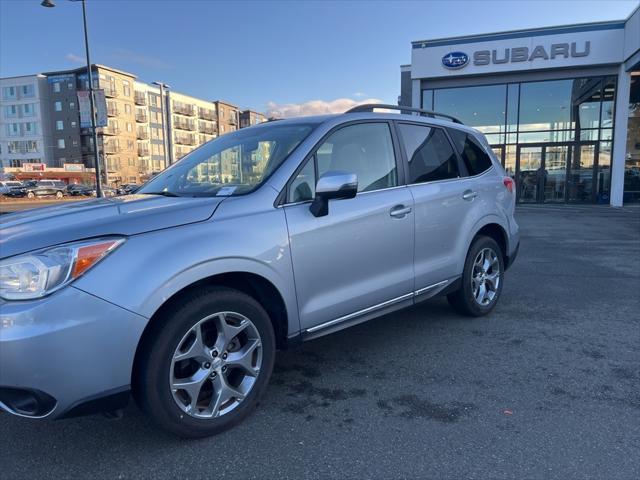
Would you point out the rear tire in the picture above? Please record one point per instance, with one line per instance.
(226, 393)
(482, 279)
(31, 195)
(59, 194)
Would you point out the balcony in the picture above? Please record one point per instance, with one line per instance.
(111, 148)
(143, 151)
(208, 129)
(140, 98)
(184, 125)
(207, 114)
(232, 119)
(110, 92)
(185, 139)
(111, 131)
(143, 134)
(182, 109)
(112, 111)
(142, 118)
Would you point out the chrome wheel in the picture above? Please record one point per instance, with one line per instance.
(216, 365)
(485, 276)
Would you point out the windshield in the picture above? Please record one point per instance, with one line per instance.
(233, 164)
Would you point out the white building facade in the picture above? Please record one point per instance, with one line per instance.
(25, 130)
(560, 106)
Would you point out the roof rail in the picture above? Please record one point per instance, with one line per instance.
(370, 107)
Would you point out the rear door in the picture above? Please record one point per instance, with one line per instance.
(442, 200)
(360, 255)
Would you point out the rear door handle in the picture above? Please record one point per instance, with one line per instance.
(469, 195)
(399, 211)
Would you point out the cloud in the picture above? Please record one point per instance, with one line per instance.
(314, 107)
(72, 57)
(359, 94)
(123, 55)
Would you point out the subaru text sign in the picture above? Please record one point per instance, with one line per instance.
(500, 53)
(455, 60)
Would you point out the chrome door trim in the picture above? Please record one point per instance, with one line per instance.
(430, 287)
(373, 308)
(359, 313)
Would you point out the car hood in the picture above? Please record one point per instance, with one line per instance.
(128, 215)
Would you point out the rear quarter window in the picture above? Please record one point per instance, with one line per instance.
(476, 159)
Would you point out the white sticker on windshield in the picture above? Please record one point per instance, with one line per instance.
(225, 191)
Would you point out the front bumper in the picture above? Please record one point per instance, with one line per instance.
(68, 348)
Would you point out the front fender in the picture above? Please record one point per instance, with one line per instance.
(149, 269)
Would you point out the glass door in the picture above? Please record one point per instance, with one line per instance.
(581, 181)
(555, 161)
(529, 173)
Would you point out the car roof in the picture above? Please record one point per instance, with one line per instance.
(338, 118)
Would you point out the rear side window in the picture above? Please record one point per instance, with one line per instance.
(429, 152)
(474, 156)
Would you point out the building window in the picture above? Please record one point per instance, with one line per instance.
(9, 92)
(27, 91)
(72, 105)
(127, 108)
(58, 106)
(30, 128)
(29, 109)
(59, 125)
(129, 127)
(13, 129)
(126, 89)
(61, 143)
(73, 124)
(56, 87)
(10, 111)
(70, 86)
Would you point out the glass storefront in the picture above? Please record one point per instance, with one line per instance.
(553, 137)
(632, 158)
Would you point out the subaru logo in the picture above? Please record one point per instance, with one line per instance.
(455, 60)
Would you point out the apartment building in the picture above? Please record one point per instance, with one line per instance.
(25, 129)
(228, 117)
(148, 128)
(250, 117)
(192, 122)
(116, 142)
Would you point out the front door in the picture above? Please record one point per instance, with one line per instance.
(556, 172)
(360, 255)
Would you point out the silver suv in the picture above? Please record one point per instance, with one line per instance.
(181, 293)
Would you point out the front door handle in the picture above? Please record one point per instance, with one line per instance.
(469, 195)
(399, 211)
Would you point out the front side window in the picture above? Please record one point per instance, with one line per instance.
(234, 164)
(474, 156)
(365, 149)
(303, 186)
(429, 153)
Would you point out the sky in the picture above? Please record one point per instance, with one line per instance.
(284, 57)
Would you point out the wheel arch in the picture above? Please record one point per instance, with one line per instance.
(490, 226)
(254, 285)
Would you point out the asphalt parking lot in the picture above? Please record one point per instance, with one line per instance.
(548, 386)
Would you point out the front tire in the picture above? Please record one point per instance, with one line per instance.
(482, 279)
(206, 362)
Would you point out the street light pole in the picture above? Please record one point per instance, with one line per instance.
(50, 3)
(165, 123)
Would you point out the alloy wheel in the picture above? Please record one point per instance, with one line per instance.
(485, 276)
(216, 365)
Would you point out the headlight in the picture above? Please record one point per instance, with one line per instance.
(40, 273)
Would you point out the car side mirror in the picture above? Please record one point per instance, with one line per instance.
(333, 185)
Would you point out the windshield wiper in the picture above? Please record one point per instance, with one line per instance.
(164, 193)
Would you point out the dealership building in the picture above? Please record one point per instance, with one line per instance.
(560, 106)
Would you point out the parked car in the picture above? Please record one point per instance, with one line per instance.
(80, 190)
(182, 293)
(106, 191)
(127, 188)
(47, 188)
(7, 185)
